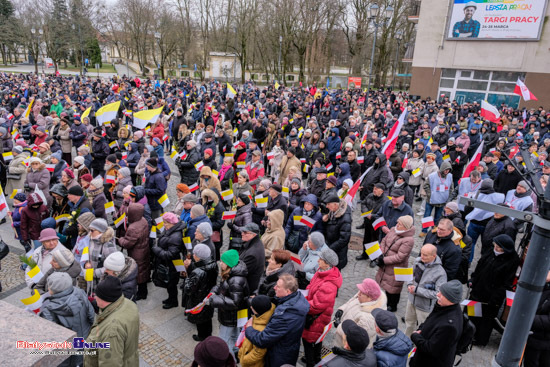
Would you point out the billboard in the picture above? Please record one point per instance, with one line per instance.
(496, 19)
(354, 82)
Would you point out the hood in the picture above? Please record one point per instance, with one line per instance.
(207, 171)
(382, 158)
(276, 217)
(135, 212)
(66, 303)
(341, 209)
(134, 147)
(397, 344)
(405, 176)
(34, 199)
(445, 166)
(129, 271)
(486, 187)
(107, 236)
(408, 233)
(336, 131)
(344, 169)
(209, 194)
(140, 192)
(310, 198)
(239, 270)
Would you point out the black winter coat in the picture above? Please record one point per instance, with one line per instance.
(338, 232)
(267, 282)
(378, 174)
(252, 253)
(295, 199)
(540, 339)
(188, 172)
(169, 246)
(348, 358)
(280, 202)
(436, 344)
(155, 187)
(100, 151)
(202, 277)
(493, 228)
(230, 295)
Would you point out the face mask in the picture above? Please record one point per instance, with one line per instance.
(97, 237)
(497, 253)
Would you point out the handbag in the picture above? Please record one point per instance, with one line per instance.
(4, 249)
(161, 276)
(310, 319)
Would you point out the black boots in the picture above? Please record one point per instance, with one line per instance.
(141, 292)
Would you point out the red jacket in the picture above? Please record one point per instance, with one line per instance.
(254, 173)
(321, 297)
(158, 132)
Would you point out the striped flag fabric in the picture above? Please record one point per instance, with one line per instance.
(417, 172)
(403, 274)
(242, 317)
(198, 308)
(510, 298)
(473, 308)
(261, 202)
(373, 250)
(106, 113)
(27, 112)
(379, 223)
(86, 113)
(391, 141)
(8, 156)
(307, 221)
(109, 207)
(143, 118)
(428, 222)
(194, 187)
(164, 201)
(367, 214)
(329, 167)
(339, 155)
(199, 165)
(35, 274)
(474, 162)
(120, 220)
(489, 112)
(297, 220)
(110, 179)
(325, 332)
(153, 233)
(228, 195)
(361, 159)
(188, 243)
(285, 192)
(270, 156)
(178, 264)
(62, 218)
(522, 90)
(89, 274)
(34, 302)
(229, 215)
(15, 192)
(85, 255)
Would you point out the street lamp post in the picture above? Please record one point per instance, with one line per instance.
(374, 10)
(38, 35)
(161, 66)
(279, 67)
(81, 50)
(398, 38)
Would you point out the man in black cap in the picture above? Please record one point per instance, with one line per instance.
(492, 168)
(392, 210)
(391, 346)
(100, 151)
(437, 337)
(117, 324)
(318, 185)
(338, 228)
(330, 190)
(252, 253)
(355, 352)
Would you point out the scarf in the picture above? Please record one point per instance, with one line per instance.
(93, 193)
(223, 171)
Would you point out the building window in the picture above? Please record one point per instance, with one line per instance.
(185, 73)
(290, 78)
(265, 77)
(465, 74)
(448, 73)
(472, 85)
(254, 76)
(447, 83)
(502, 87)
(506, 76)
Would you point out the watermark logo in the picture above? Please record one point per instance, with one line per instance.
(80, 343)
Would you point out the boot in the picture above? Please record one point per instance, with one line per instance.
(363, 256)
(142, 291)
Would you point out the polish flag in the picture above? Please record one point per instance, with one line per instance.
(514, 151)
(193, 187)
(307, 221)
(296, 259)
(229, 215)
(270, 155)
(380, 222)
(405, 161)
(510, 298)
(428, 222)
(393, 135)
(329, 166)
(522, 90)
(339, 155)
(361, 159)
(474, 162)
(489, 112)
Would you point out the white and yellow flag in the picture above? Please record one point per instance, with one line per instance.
(231, 92)
(144, 118)
(106, 113)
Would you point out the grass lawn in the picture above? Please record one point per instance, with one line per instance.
(106, 68)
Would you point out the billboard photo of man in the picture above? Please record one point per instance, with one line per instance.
(468, 27)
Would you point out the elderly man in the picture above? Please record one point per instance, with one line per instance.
(155, 187)
(423, 289)
(447, 250)
(438, 187)
(520, 199)
(338, 228)
(117, 324)
(42, 255)
(283, 332)
(188, 201)
(252, 253)
(392, 210)
(437, 337)
(391, 346)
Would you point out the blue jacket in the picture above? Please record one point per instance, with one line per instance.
(133, 156)
(185, 216)
(283, 332)
(163, 167)
(194, 223)
(334, 142)
(160, 150)
(79, 133)
(155, 187)
(392, 351)
(344, 174)
(304, 231)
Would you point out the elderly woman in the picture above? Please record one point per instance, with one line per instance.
(17, 170)
(396, 248)
(68, 179)
(226, 173)
(125, 269)
(102, 244)
(322, 291)
(214, 211)
(359, 309)
(168, 248)
(84, 152)
(203, 235)
(242, 217)
(123, 179)
(274, 236)
(97, 198)
(278, 263)
(38, 177)
(62, 261)
(181, 191)
(242, 186)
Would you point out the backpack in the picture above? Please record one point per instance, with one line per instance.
(466, 339)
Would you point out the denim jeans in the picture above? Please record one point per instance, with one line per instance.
(229, 335)
(428, 212)
(474, 231)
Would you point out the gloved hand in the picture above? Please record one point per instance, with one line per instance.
(337, 318)
(26, 244)
(380, 261)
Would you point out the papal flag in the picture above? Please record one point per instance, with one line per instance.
(28, 110)
(143, 118)
(231, 92)
(86, 113)
(106, 113)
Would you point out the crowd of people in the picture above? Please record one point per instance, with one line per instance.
(267, 180)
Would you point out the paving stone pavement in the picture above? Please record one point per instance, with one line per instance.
(166, 335)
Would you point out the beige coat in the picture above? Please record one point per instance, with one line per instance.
(428, 170)
(274, 238)
(361, 314)
(249, 354)
(65, 140)
(17, 167)
(413, 164)
(286, 163)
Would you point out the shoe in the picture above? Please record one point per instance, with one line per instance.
(422, 235)
(168, 306)
(361, 257)
(303, 360)
(420, 213)
(197, 338)
(403, 319)
(418, 199)
(166, 301)
(3, 221)
(362, 226)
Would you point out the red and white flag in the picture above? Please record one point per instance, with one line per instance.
(360, 159)
(270, 156)
(514, 151)
(405, 161)
(510, 298)
(307, 221)
(50, 167)
(353, 190)
(522, 90)
(339, 155)
(391, 140)
(229, 215)
(428, 222)
(193, 187)
(489, 112)
(379, 223)
(474, 162)
(329, 166)
(296, 259)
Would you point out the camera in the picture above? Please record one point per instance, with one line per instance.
(100, 261)
(430, 286)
